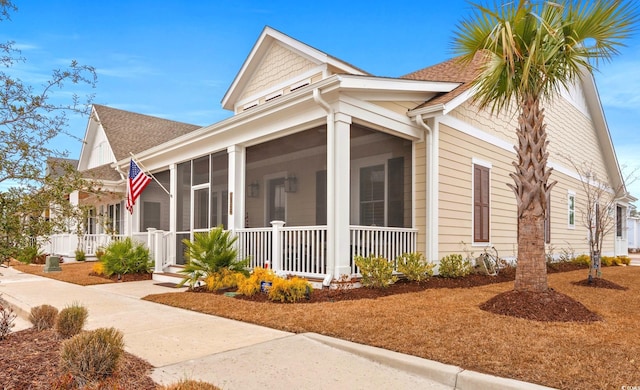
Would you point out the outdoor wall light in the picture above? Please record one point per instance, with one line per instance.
(290, 183)
(253, 189)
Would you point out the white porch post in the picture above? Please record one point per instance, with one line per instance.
(338, 192)
(276, 253)
(173, 210)
(237, 164)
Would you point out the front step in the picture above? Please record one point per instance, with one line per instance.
(167, 277)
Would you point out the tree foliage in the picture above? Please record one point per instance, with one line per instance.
(31, 116)
(527, 52)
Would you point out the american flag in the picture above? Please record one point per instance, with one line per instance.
(136, 184)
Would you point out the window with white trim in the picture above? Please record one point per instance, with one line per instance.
(571, 209)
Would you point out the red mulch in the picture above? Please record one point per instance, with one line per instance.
(600, 283)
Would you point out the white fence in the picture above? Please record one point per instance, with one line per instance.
(381, 241)
(65, 245)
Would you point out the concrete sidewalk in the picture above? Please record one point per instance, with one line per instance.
(231, 354)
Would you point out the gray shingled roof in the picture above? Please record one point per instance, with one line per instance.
(56, 165)
(103, 172)
(131, 132)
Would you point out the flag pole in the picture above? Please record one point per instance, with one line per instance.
(146, 171)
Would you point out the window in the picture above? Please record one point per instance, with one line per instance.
(481, 207)
(572, 209)
(619, 221)
(372, 189)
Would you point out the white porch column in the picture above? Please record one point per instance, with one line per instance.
(173, 211)
(276, 245)
(237, 164)
(338, 192)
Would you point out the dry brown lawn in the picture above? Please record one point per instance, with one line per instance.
(447, 325)
(76, 273)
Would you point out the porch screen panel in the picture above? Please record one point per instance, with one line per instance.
(183, 197)
(219, 189)
(395, 202)
(155, 203)
(372, 195)
(200, 171)
(480, 203)
(321, 197)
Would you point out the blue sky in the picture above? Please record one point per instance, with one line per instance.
(176, 59)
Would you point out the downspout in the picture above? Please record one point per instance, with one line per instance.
(429, 187)
(331, 261)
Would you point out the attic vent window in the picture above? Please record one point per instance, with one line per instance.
(300, 84)
(250, 105)
(272, 96)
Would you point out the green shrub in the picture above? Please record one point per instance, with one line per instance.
(414, 266)
(92, 356)
(454, 266)
(289, 290)
(209, 253)
(43, 317)
(190, 384)
(80, 255)
(71, 320)
(626, 260)
(376, 271)
(251, 285)
(28, 254)
(583, 260)
(126, 257)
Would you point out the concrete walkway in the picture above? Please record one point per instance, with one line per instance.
(231, 354)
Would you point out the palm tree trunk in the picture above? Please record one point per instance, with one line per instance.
(531, 188)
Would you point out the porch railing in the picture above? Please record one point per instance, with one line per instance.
(387, 242)
(66, 244)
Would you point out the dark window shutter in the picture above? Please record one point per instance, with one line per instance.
(481, 209)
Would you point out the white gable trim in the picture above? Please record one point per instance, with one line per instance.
(260, 48)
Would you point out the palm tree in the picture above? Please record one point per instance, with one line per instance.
(530, 51)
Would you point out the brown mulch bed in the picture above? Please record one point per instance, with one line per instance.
(30, 360)
(540, 306)
(600, 283)
(80, 273)
(447, 325)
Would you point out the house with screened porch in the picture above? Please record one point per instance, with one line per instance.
(322, 161)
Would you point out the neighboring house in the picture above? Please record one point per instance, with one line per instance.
(633, 233)
(351, 163)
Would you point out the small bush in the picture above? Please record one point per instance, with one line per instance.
(454, 266)
(92, 356)
(80, 255)
(99, 253)
(607, 261)
(98, 268)
(126, 257)
(626, 260)
(251, 285)
(71, 320)
(28, 254)
(583, 260)
(43, 317)
(224, 278)
(414, 266)
(190, 384)
(376, 271)
(289, 290)
(7, 319)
